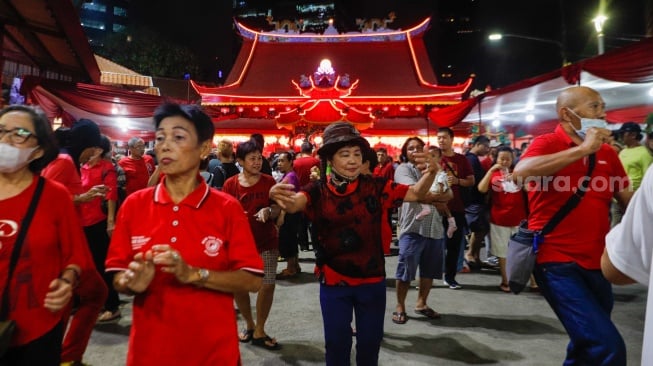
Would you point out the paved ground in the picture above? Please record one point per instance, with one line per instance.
(479, 325)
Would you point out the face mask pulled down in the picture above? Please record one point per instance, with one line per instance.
(13, 158)
(587, 123)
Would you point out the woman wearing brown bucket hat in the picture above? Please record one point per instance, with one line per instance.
(346, 208)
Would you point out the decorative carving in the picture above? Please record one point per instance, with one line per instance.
(285, 25)
(375, 24)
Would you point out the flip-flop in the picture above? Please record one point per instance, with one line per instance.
(266, 342)
(246, 335)
(399, 317)
(428, 312)
(504, 287)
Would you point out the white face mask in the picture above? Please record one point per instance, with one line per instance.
(587, 123)
(13, 158)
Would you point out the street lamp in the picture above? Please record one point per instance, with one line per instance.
(498, 36)
(598, 25)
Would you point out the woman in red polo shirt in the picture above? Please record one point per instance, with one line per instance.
(183, 249)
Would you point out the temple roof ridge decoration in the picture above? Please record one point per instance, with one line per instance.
(331, 34)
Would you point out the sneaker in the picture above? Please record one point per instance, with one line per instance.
(452, 284)
(493, 261)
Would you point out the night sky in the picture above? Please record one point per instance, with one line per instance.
(207, 28)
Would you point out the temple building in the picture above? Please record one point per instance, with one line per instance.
(289, 85)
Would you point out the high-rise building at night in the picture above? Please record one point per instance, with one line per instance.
(100, 18)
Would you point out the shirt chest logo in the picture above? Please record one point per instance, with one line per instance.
(212, 246)
(139, 241)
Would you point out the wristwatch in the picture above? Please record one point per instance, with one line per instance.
(204, 274)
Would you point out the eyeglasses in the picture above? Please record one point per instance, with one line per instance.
(16, 135)
(415, 148)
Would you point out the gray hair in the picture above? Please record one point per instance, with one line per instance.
(133, 141)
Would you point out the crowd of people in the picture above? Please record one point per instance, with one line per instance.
(169, 231)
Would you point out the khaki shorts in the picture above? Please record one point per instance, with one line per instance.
(499, 238)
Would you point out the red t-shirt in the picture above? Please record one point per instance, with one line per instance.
(54, 240)
(101, 173)
(386, 170)
(253, 199)
(457, 166)
(580, 237)
(137, 172)
(302, 167)
(62, 170)
(486, 162)
(506, 209)
(175, 324)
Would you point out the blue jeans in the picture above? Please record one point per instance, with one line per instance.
(582, 299)
(368, 304)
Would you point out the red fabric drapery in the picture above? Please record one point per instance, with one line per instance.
(99, 99)
(629, 64)
(449, 116)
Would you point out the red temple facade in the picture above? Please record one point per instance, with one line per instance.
(292, 85)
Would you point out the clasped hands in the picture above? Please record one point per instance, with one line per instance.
(142, 268)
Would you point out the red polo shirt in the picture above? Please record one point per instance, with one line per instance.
(176, 324)
(580, 237)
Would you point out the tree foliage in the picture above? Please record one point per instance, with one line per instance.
(147, 53)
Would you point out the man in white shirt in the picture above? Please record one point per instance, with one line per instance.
(629, 252)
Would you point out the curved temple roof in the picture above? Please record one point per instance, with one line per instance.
(392, 67)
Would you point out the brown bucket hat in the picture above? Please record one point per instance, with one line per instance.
(338, 135)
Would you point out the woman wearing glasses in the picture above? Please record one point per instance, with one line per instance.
(53, 252)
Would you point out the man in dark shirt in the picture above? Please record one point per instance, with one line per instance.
(459, 174)
(476, 208)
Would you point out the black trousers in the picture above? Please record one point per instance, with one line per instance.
(453, 245)
(98, 242)
(289, 234)
(43, 351)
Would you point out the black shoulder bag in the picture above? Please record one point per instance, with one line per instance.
(8, 326)
(525, 243)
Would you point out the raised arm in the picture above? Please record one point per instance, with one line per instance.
(545, 165)
(484, 184)
(285, 196)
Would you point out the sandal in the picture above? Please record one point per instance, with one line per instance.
(504, 287)
(428, 312)
(286, 274)
(246, 335)
(266, 342)
(108, 317)
(399, 317)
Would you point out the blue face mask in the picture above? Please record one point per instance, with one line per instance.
(587, 123)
